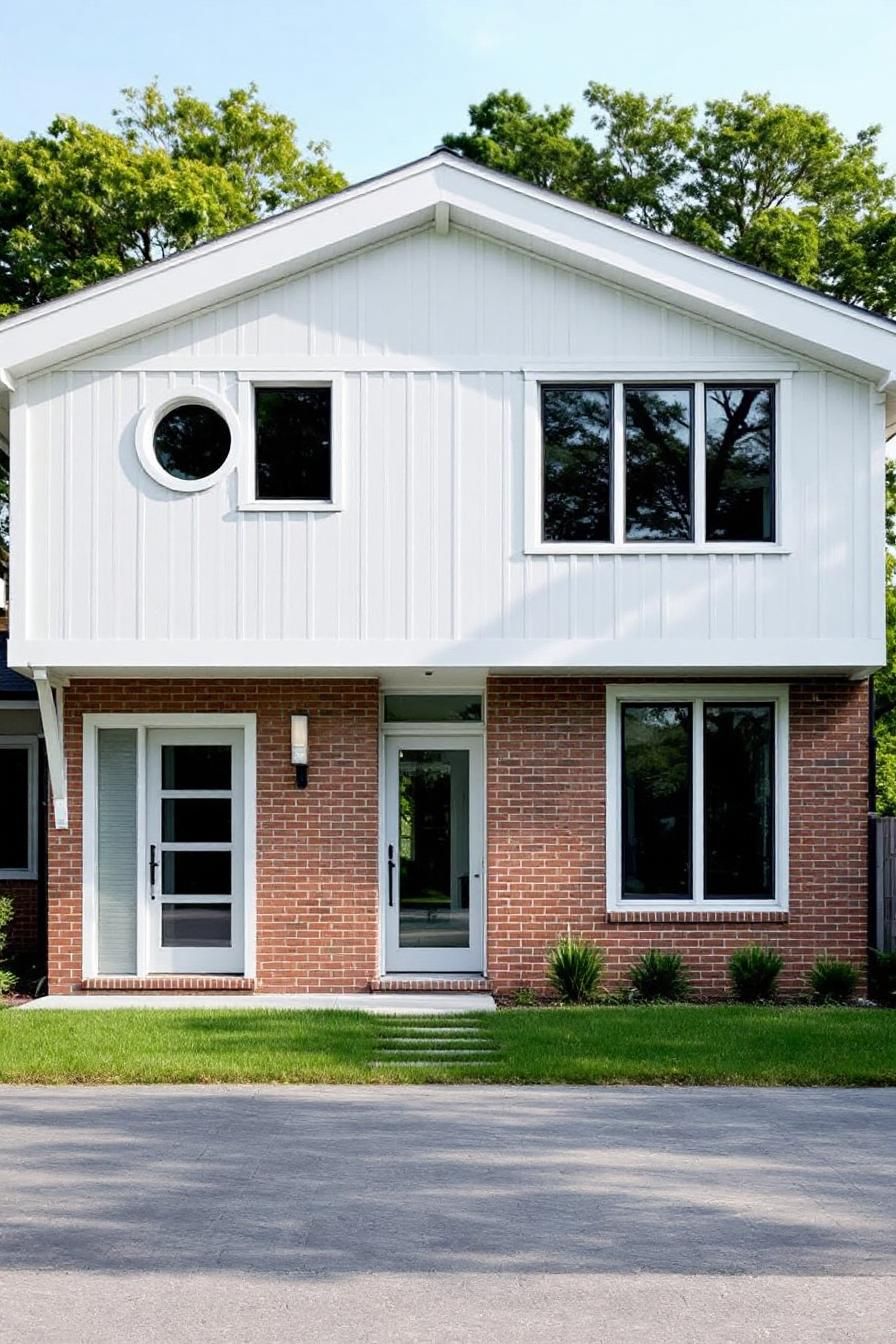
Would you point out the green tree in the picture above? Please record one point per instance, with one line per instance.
(885, 680)
(771, 184)
(507, 134)
(642, 159)
(79, 204)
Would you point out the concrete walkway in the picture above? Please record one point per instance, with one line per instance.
(391, 1005)
(442, 1215)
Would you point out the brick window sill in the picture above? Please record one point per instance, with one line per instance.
(698, 917)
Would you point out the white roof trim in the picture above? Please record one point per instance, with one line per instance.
(591, 240)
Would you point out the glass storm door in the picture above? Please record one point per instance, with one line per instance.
(433, 876)
(194, 850)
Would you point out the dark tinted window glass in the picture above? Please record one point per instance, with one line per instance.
(657, 464)
(14, 807)
(576, 436)
(739, 494)
(196, 767)
(193, 872)
(191, 442)
(292, 442)
(433, 709)
(738, 772)
(193, 820)
(656, 801)
(195, 925)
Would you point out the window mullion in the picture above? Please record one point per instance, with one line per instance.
(618, 463)
(699, 462)
(697, 864)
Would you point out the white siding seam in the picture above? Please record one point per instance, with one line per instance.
(410, 512)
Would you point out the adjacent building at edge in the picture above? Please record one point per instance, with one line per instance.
(411, 577)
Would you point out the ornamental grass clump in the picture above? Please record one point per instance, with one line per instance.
(575, 968)
(753, 972)
(833, 981)
(658, 976)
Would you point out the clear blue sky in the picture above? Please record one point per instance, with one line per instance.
(383, 80)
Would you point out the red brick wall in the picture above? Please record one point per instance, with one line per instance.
(546, 813)
(317, 848)
(22, 933)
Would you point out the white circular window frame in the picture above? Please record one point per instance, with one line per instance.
(154, 412)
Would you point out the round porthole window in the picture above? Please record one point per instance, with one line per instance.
(191, 442)
(187, 442)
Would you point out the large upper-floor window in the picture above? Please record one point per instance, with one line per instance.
(697, 785)
(653, 463)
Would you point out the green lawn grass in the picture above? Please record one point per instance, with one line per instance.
(634, 1044)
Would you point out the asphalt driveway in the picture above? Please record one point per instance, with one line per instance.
(444, 1214)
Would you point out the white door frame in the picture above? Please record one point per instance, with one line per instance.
(143, 723)
(433, 961)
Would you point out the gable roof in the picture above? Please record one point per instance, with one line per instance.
(437, 189)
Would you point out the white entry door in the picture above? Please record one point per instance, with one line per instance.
(433, 873)
(194, 850)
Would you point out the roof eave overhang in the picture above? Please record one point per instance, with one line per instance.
(612, 249)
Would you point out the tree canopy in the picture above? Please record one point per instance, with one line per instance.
(771, 184)
(80, 204)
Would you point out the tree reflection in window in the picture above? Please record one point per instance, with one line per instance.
(656, 801)
(739, 464)
(658, 464)
(576, 435)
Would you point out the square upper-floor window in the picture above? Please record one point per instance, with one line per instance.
(652, 464)
(293, 443)
(292, 462)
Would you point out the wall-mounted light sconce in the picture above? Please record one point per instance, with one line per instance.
(298, 741)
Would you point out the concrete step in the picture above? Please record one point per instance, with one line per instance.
(403, 1051)
(430, 984)
(429, 1063)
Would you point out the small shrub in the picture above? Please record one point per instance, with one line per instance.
(753, 972)
(833, 981)
(882, 978)
(660, 975)
(524, 997)
(575, 968)
(7, 979)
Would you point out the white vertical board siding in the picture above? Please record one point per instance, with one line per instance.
(429, 542)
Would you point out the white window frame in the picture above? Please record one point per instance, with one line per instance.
(696, 380)
(154, 411)
(28, 743)
(696, 694)
(248, 500)
(90, 902)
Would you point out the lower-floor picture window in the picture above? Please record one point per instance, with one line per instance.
(697, 800)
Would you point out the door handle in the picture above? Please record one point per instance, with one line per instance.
(391, 867)
(153, 865)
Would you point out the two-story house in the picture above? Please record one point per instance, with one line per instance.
(416, 575)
